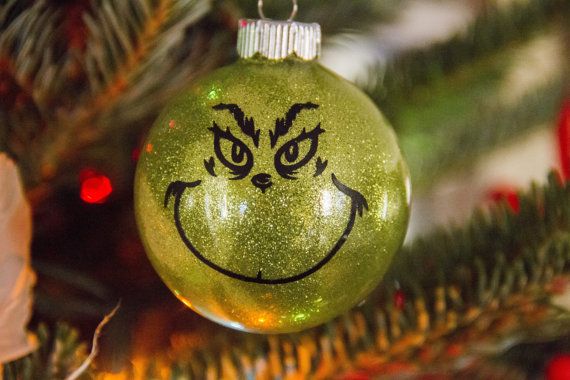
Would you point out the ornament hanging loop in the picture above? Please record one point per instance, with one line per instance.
(291, 17)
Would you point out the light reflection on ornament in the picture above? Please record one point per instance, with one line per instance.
(385, 206)
(326, 203)
(224, 207)
(300, 317)
(242, 208)
(214, 93)
(263, 319)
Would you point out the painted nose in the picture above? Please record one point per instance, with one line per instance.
(262, 181)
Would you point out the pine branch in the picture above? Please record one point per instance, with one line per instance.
(137, 55)
(494, 30)
(446, 102)
(25, 56)
(467, 292)
(435, 146)
(130, 68)
(59, 353)
(449, 303)
(27, 50)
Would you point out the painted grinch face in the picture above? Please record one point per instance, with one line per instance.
(271, 197)
(290, 156)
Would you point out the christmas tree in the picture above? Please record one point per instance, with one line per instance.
(462, 83)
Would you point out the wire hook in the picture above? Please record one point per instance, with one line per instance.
(291, 17)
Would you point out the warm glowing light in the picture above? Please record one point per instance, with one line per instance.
(263, 319)
(184, 300)
(113, 376)
(95, 187)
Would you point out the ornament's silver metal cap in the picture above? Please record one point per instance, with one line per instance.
(277, 40)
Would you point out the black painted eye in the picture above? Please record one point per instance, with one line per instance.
(232, 152)
(292, 152)
(297, 152)
(238, 153)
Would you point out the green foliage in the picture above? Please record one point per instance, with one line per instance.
(444, 101)
(466, 288)
(498, 253)
(482, 285)
(65, 97)
(74, 80)
(85, 94)
(59, 353)
(492, 31)
(463, 121)
(145, 47)
(27, 68)
(93, 76)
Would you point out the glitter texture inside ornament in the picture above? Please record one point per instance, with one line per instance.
(274, 195)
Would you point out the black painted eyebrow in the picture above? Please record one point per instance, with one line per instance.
(246, 124)
(282, 126)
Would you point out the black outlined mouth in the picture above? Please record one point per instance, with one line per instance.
(358, 205)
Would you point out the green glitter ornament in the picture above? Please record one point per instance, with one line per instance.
(272, 195)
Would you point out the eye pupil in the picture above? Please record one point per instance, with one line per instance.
(238, 154)
(292, 152)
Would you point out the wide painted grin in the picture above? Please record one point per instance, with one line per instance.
(358, 205)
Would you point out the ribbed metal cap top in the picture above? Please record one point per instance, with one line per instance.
(277, 40)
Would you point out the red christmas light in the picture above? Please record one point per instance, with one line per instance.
(505, 194)
(563, 134)
(74, 27)
(135, 154)
(399, 299)
(95, 187)
(558, 368)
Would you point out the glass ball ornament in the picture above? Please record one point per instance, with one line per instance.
(272, 195)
